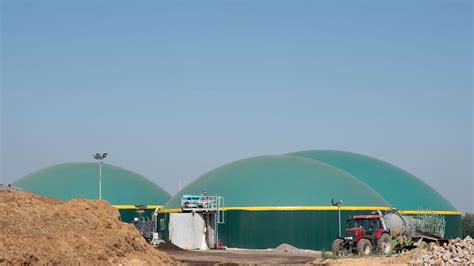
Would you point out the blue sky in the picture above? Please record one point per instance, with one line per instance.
(172, 90)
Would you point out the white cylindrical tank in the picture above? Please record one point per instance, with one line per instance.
(399, 225)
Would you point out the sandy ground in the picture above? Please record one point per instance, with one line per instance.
(246, 257)
(271, 257)
(262, 257)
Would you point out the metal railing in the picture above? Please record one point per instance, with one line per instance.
(201, 203)
(430, 223)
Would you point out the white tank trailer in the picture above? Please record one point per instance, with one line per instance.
(400, 225)
(424, 229)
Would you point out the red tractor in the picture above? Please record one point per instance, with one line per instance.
(364, 234)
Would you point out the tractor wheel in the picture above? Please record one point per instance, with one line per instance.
(338, 247)
(384, 244)
(364, 247)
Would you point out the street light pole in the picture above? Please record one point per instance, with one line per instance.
(100, 179)
(338, 204)
(100, 158)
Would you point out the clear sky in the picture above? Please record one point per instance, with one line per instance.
(174, 89)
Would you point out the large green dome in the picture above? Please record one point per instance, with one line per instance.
(81, 180)
(401, 189)
(272, 182)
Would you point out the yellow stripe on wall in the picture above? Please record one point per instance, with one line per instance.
(321, 208)
(429, 212)
(171, 210)
(308, 208)
(122, 207)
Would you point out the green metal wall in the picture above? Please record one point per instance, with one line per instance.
(127, 215)
(303, 229)
(163, 232)
(267, 229)
(453, 226)
(314, 230)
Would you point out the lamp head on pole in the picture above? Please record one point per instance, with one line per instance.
(99, 156)
(336, 203)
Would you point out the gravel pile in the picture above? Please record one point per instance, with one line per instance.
(459, 251)
(287, 248)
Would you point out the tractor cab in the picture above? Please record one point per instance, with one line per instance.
(364, 234)
(363, 226)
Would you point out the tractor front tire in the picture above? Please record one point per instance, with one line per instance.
(384, 244)
(364, 247)
(338, 247)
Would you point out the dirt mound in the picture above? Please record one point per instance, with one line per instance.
(40, 230)
(287, 248)
(407, 256)
(168, 246)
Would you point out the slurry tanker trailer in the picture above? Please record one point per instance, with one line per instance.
(383, 233)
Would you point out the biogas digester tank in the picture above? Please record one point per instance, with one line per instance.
(122, 188)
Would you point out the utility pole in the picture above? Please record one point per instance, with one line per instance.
(100, 158)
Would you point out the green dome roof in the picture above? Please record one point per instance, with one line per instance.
(281, 181)
(81, 180)
(401, 189)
